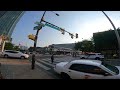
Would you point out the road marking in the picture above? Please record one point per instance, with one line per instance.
(56, 60)
(47, 63)
(43, 66)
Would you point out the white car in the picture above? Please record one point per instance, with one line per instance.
(15, 54)
(87, 69)
(96, 56)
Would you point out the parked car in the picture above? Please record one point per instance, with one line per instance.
(96, 56)
(15, 54)
(87, 69)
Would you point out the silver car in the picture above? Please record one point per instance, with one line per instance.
(15, 54)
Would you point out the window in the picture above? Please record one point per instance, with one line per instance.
(11, 51)
(91, 54)
(87, 69)
(112, 68)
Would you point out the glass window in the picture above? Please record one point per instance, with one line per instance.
(112, 68)
(87, 69)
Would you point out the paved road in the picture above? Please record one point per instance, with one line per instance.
(45, 63)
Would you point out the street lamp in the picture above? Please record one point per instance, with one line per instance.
(55, 13)
(35, 41)
(116, 32)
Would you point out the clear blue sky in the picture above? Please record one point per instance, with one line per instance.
(85, 23)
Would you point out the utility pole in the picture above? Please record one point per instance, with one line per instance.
(116, 32)
(35, 43)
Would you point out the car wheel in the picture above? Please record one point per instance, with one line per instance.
(22, 57)
(97, 58)
(6, 56)
(65, 76)
(82, 58)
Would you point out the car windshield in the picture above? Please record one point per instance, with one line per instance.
(112, 68)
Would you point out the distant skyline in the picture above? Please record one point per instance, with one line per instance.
(85, 23)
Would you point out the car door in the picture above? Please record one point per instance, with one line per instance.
(82, 71)
(74, 72)
(9, 53)
(91, 56)
(14, 54)
(17, 54)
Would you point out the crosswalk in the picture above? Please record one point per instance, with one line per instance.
(46, 64)
(43, 66)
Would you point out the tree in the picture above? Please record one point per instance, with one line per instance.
(16, 48)
(85, 46)
(8, 46)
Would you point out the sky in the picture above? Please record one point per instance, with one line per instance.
(85, 23)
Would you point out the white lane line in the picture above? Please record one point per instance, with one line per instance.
(43, 66)
(47, 63)
(50, 60)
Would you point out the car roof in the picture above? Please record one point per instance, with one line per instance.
(88, 62)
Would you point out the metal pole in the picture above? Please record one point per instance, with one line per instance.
(116, 32)
(35, 43)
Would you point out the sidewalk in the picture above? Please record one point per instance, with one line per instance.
(21, 69)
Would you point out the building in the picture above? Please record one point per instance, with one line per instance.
(8, 21)
(62, 48)
(106, 42)
(55, 48)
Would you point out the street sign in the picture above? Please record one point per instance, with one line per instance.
(37, 22)
(52, 26)
(40, 25)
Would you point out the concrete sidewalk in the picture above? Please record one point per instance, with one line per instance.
(21, 69)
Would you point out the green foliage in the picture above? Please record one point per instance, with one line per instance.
(16, 48)
(105, 40)
(8, 46)
(85, 45)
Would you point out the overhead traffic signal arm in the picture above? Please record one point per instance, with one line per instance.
(60, 29)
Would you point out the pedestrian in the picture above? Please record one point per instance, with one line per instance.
(52, 58)
(33, 62)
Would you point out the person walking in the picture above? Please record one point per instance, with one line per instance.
(52, 58)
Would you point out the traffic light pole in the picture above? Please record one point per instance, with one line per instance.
(35, 43)
(116, 32)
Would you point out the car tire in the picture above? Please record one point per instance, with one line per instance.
(82, 58)
(97, 58)
(65, 76)
(22, 57)
(6, 56)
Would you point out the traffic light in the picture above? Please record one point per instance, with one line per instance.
(76, 35)
(63, 31)
(32, 37)
(71, 35)
(42, 19)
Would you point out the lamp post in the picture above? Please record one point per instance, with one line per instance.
(35, 41)
(116, 32)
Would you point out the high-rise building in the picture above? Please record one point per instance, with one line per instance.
(8, 21)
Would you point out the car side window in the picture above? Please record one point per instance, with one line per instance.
(87, 69)
(11, 51)
(7, 51)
